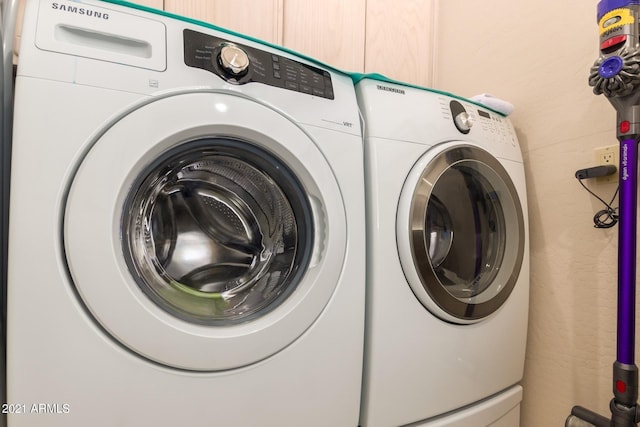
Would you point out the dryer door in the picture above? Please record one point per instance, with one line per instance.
(204, 231)
(460, 232)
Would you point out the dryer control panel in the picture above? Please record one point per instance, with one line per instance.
(240, 64)
(471, 119)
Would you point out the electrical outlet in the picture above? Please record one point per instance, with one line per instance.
(608, 156)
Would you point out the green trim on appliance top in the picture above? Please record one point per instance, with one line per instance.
(355, 77)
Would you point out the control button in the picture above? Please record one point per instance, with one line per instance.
(276, 66)
(304, 80)
(625, 126)
(318, 92)
(291, 85)
(234, 60)
(464, 122)
(306, 89)
(275, 58)
(276, 74)
(291, 75)
(317, 81)
(613, 41)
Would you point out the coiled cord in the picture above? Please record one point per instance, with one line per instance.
(605, 218)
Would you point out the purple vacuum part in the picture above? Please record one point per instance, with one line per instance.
(627, 251)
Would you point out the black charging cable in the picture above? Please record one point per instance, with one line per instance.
(608, 217)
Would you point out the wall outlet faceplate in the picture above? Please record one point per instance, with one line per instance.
(608, 155)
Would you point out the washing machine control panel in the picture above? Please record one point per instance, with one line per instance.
(240, 64)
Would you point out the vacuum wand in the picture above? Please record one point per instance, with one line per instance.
(616, 74)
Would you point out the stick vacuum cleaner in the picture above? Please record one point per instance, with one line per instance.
(616, 74)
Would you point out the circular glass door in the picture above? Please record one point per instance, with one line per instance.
(462, 234)
(203, 231)
(217, 231)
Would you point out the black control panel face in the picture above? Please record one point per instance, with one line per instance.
(206, 52)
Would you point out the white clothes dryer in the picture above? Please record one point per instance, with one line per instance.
(447, 263)
(187, 244)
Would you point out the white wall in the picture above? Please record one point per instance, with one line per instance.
(538, 55)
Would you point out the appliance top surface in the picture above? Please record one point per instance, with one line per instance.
(112, 46)
(412, 115)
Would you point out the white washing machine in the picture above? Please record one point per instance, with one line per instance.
(187, 244)
(448, 261)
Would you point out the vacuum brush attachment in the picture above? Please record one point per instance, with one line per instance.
(617, 75)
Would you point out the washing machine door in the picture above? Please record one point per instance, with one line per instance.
(204, 231)
(460, 232)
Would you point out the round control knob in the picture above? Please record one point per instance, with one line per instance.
(461, 118)
(234, 60)
(463, 122)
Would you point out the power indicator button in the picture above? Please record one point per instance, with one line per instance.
(625, 126)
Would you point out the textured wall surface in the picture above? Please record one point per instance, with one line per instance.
(537, 55)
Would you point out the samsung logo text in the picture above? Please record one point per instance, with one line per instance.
(80, 11)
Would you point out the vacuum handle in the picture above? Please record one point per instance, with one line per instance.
(627, 229)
